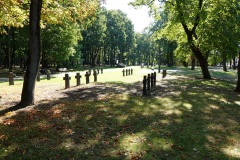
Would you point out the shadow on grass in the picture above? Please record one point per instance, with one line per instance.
(181, 119)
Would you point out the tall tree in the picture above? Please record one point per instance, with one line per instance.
(34, 54)
(93, 38)
(53, 12)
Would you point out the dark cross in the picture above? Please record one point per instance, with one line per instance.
(87, 75)
(144, 85)
(38, 76)
(78, 77)
(101, 70)
(67, 81)
(95, 75)
(152, 79)
(155, 78)
(131, 71)
(126, 72)
(123, 72)
(48, 75)
(11, 77)
(148, 82)
(164, 73)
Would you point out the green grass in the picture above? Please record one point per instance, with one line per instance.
(184, 118)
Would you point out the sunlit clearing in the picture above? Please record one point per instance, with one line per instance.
(233, 151)
(216, 127)
(168, 103)
(210, 108)
(173, 111)
(214, 107)
(164, 121)
(187, 105)
(237, 102)
(122, 118)
(133, 144)
(223, 100)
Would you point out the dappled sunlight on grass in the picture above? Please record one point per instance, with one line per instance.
(132, 144)
(188, 106)
(237, 103)
(181, 119)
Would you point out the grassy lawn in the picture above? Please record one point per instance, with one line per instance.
(184, 117)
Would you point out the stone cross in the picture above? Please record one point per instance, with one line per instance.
(67, 81)
(126, 72)
(11, 77)
(95, 75)
(144, 85)
(87, 75)
(164, 73)
(131, 71)
(78, 78)
(123, 72)
(48, 72)
(148, 82)
(152, 79)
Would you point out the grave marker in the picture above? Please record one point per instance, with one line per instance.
(87, 75)
(131, 71)
(123, 72)
(144, 85)
(164, 74)
(148, 82)
(95, 75)
(48, 72)
(126, 72)
(67, 81)
(152, 79)
(78, 78)
(11, 77)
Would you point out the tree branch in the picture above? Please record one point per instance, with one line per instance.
(197, 19)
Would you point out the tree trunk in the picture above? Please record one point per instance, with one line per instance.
(193, 62)
(224, 56)
(13, 50)
(234, 63)
(159, 60)
(238, 72)
(191, 34)
(34, 54)
(202, 61)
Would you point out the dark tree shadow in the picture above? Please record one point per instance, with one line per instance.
(114, 121)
